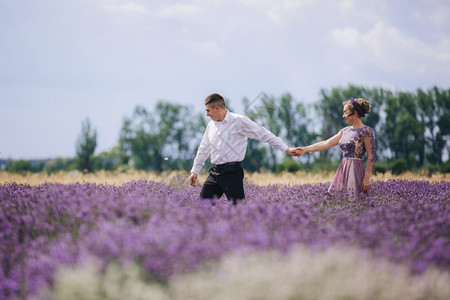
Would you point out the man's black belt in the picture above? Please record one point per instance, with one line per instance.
(234, 163)
(224, 168)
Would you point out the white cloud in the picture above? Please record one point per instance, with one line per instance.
(127, 7)
(208, 48)
(441, 18)
(179, 10)
(443, 49)
(394, 49)
(211, 47)
(348, 5)
(289, 4)
(383, 41)
(347, 36)
(438, 15)
(389, 48)
(360, 11)
(276, 10)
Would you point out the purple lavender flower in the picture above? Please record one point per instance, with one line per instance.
(170, 231)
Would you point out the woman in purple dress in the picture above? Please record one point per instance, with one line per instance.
(355, 141)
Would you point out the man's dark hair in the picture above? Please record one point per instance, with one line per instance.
(215, 100)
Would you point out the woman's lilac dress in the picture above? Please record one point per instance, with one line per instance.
(354, 144)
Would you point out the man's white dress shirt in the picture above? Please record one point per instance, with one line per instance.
(226, 141)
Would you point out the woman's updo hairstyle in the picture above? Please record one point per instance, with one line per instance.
(363, 104)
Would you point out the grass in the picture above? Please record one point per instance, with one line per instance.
(181, 177)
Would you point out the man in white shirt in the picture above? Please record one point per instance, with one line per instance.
(225, 140)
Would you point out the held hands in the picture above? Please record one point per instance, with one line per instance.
(295, 151)
(292, 152)
(300, 151)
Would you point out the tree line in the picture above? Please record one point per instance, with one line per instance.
(412, 132)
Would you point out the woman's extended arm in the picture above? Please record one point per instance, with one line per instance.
(323, 145)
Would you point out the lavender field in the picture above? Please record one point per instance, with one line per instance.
(153, 240)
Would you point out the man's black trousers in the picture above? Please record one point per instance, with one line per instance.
(226, 178)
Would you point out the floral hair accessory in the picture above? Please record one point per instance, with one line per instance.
(357, 107)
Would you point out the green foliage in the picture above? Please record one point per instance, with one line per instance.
(402, 130)
(86, 144)
(162, 139)
(416, 126)
(323, 166)
(255, 157)
(399, 166)
(380, 167)
(283, 117)
(265, 113)
(445, 167)
(431, 169)
(19, 166)
(60, 164)
(434, 115)
(108, 160)
(289, 165)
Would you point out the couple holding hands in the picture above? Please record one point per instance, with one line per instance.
(225, 140)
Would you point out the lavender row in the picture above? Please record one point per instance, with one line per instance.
(168, 230)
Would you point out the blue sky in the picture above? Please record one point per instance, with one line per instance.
(62, 61)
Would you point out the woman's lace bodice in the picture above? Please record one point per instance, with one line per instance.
(354, 142)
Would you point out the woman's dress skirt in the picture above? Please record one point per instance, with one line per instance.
(349, 177)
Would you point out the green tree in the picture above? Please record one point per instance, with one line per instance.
(329, 110)
(266, 114)
(161, 139)
(19, 166)
(255, 157)
(86, 144)
(109, 160)
(443, 101)
(272, 114)
(294, 121)
(434, 115)
(402, 129)
(60, 164)
(256, 153)
(284, 117)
